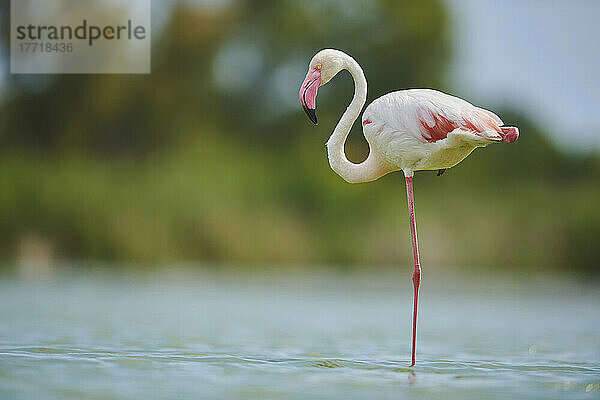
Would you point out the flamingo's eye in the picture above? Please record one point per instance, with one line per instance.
(318, 66)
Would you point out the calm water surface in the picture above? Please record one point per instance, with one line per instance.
(296, 335)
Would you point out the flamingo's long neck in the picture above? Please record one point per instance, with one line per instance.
(371, 168)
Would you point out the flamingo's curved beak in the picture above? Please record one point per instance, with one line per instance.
(308, 93)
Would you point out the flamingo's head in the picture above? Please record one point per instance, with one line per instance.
(323, 66)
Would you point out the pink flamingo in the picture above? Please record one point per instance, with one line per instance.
(408, 130)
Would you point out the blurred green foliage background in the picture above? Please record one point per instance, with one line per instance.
(211, 158)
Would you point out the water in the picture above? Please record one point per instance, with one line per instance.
(296, 335)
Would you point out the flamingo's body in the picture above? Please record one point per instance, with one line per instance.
(408, 130)
(423, 129)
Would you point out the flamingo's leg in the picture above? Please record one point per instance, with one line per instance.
(416, 277)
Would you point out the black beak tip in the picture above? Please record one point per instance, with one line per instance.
(311, 114)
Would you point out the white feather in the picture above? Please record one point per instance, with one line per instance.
(396, 131)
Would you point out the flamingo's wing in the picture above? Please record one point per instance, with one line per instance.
(429, 116)
(438, 114)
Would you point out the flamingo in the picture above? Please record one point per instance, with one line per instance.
(408, 130)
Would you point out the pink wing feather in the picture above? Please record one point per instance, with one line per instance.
(429, 115)
(441, 114)
(440, 128)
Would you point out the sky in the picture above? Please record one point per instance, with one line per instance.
(542, 56)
